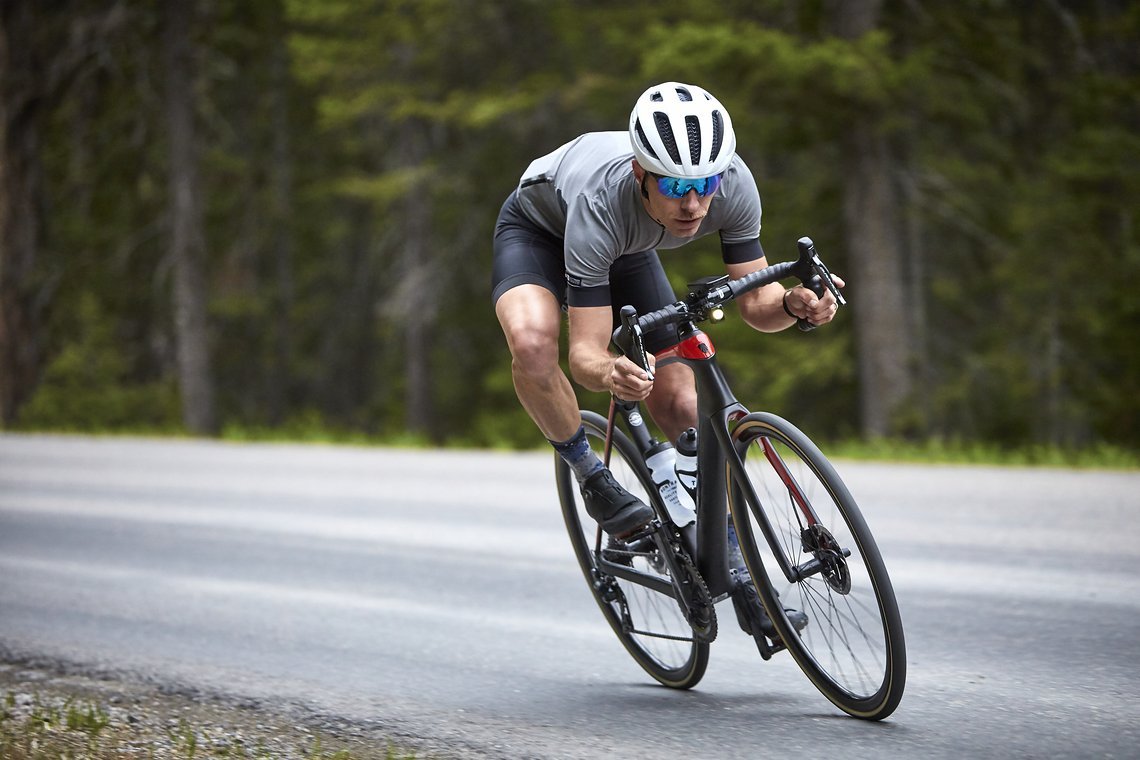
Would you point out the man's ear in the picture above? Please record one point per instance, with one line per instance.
(640, 175)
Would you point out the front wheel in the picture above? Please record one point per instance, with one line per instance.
(852, 648)
(649, 622)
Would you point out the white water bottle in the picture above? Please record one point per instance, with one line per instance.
(686, 464)
(662, 462)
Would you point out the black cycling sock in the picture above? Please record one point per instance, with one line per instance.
(577, 453)
(735, 558)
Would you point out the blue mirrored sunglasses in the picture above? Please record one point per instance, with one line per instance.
(675, 187)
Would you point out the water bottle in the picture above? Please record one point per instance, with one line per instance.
(686, 464)
(662, 462)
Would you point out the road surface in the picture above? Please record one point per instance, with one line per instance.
(433, 595)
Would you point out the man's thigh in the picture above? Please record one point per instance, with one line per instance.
(639, 280)
(530, 315)
(525, 255)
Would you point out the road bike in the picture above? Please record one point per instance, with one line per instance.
(804, 541)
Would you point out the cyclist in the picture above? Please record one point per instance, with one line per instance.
(581, 233)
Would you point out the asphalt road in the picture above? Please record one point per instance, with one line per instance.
(434, 595)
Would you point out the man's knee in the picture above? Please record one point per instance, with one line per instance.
(534, 352)
(531, 321)
(673, 402)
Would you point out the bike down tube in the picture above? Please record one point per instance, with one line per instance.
(716, 407)
(712, 517)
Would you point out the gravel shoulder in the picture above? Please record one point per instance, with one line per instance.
(51, 710)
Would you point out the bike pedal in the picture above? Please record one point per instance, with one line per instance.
(641, 534)
(750, 616)
(767, 647)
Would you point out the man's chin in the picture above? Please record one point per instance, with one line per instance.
(686, 230)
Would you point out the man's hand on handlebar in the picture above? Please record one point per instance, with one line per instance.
(818, 310)
(630, 382)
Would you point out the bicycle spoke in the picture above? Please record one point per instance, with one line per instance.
(650, 623)
(846, 642)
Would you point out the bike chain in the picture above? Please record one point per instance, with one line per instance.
(696, 592)
(692, 585)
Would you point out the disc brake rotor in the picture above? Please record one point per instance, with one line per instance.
(818, 541)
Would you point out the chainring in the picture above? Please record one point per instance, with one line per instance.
(698, 605)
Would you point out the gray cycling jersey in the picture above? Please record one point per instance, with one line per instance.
(585, 193)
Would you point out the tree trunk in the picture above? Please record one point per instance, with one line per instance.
(418, 293)
(20, 118)
(281, 179)
(187, 245)
(870, 215)
(871, 203)
(419, 321)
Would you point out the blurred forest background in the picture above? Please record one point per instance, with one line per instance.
(227, 216)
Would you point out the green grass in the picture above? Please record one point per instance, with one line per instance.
(58, 728)
(936, 451)
(929, 451)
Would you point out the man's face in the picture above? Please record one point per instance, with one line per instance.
(681, 217)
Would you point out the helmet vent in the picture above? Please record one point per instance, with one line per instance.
(644, 143)
(693, 129)
(717, 135)
(665, 130)
(684, 95)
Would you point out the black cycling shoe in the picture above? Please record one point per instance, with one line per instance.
(750, 612)
(618, 511)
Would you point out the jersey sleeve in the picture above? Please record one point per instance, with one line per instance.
(591, 247)
(742, 220)
(740, 253)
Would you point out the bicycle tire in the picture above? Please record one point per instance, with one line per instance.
(651, 625)
(853, 649)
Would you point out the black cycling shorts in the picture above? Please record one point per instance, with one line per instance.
(525, 254)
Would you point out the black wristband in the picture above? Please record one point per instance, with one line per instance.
(784, 303)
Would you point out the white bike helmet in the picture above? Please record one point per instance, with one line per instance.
(680, 130)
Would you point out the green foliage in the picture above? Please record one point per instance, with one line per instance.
(88, 386)
(354, 156)
(778, 67)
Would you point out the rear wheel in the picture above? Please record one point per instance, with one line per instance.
(852, 648)
(649, 623)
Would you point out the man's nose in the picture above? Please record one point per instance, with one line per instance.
(691, 202)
